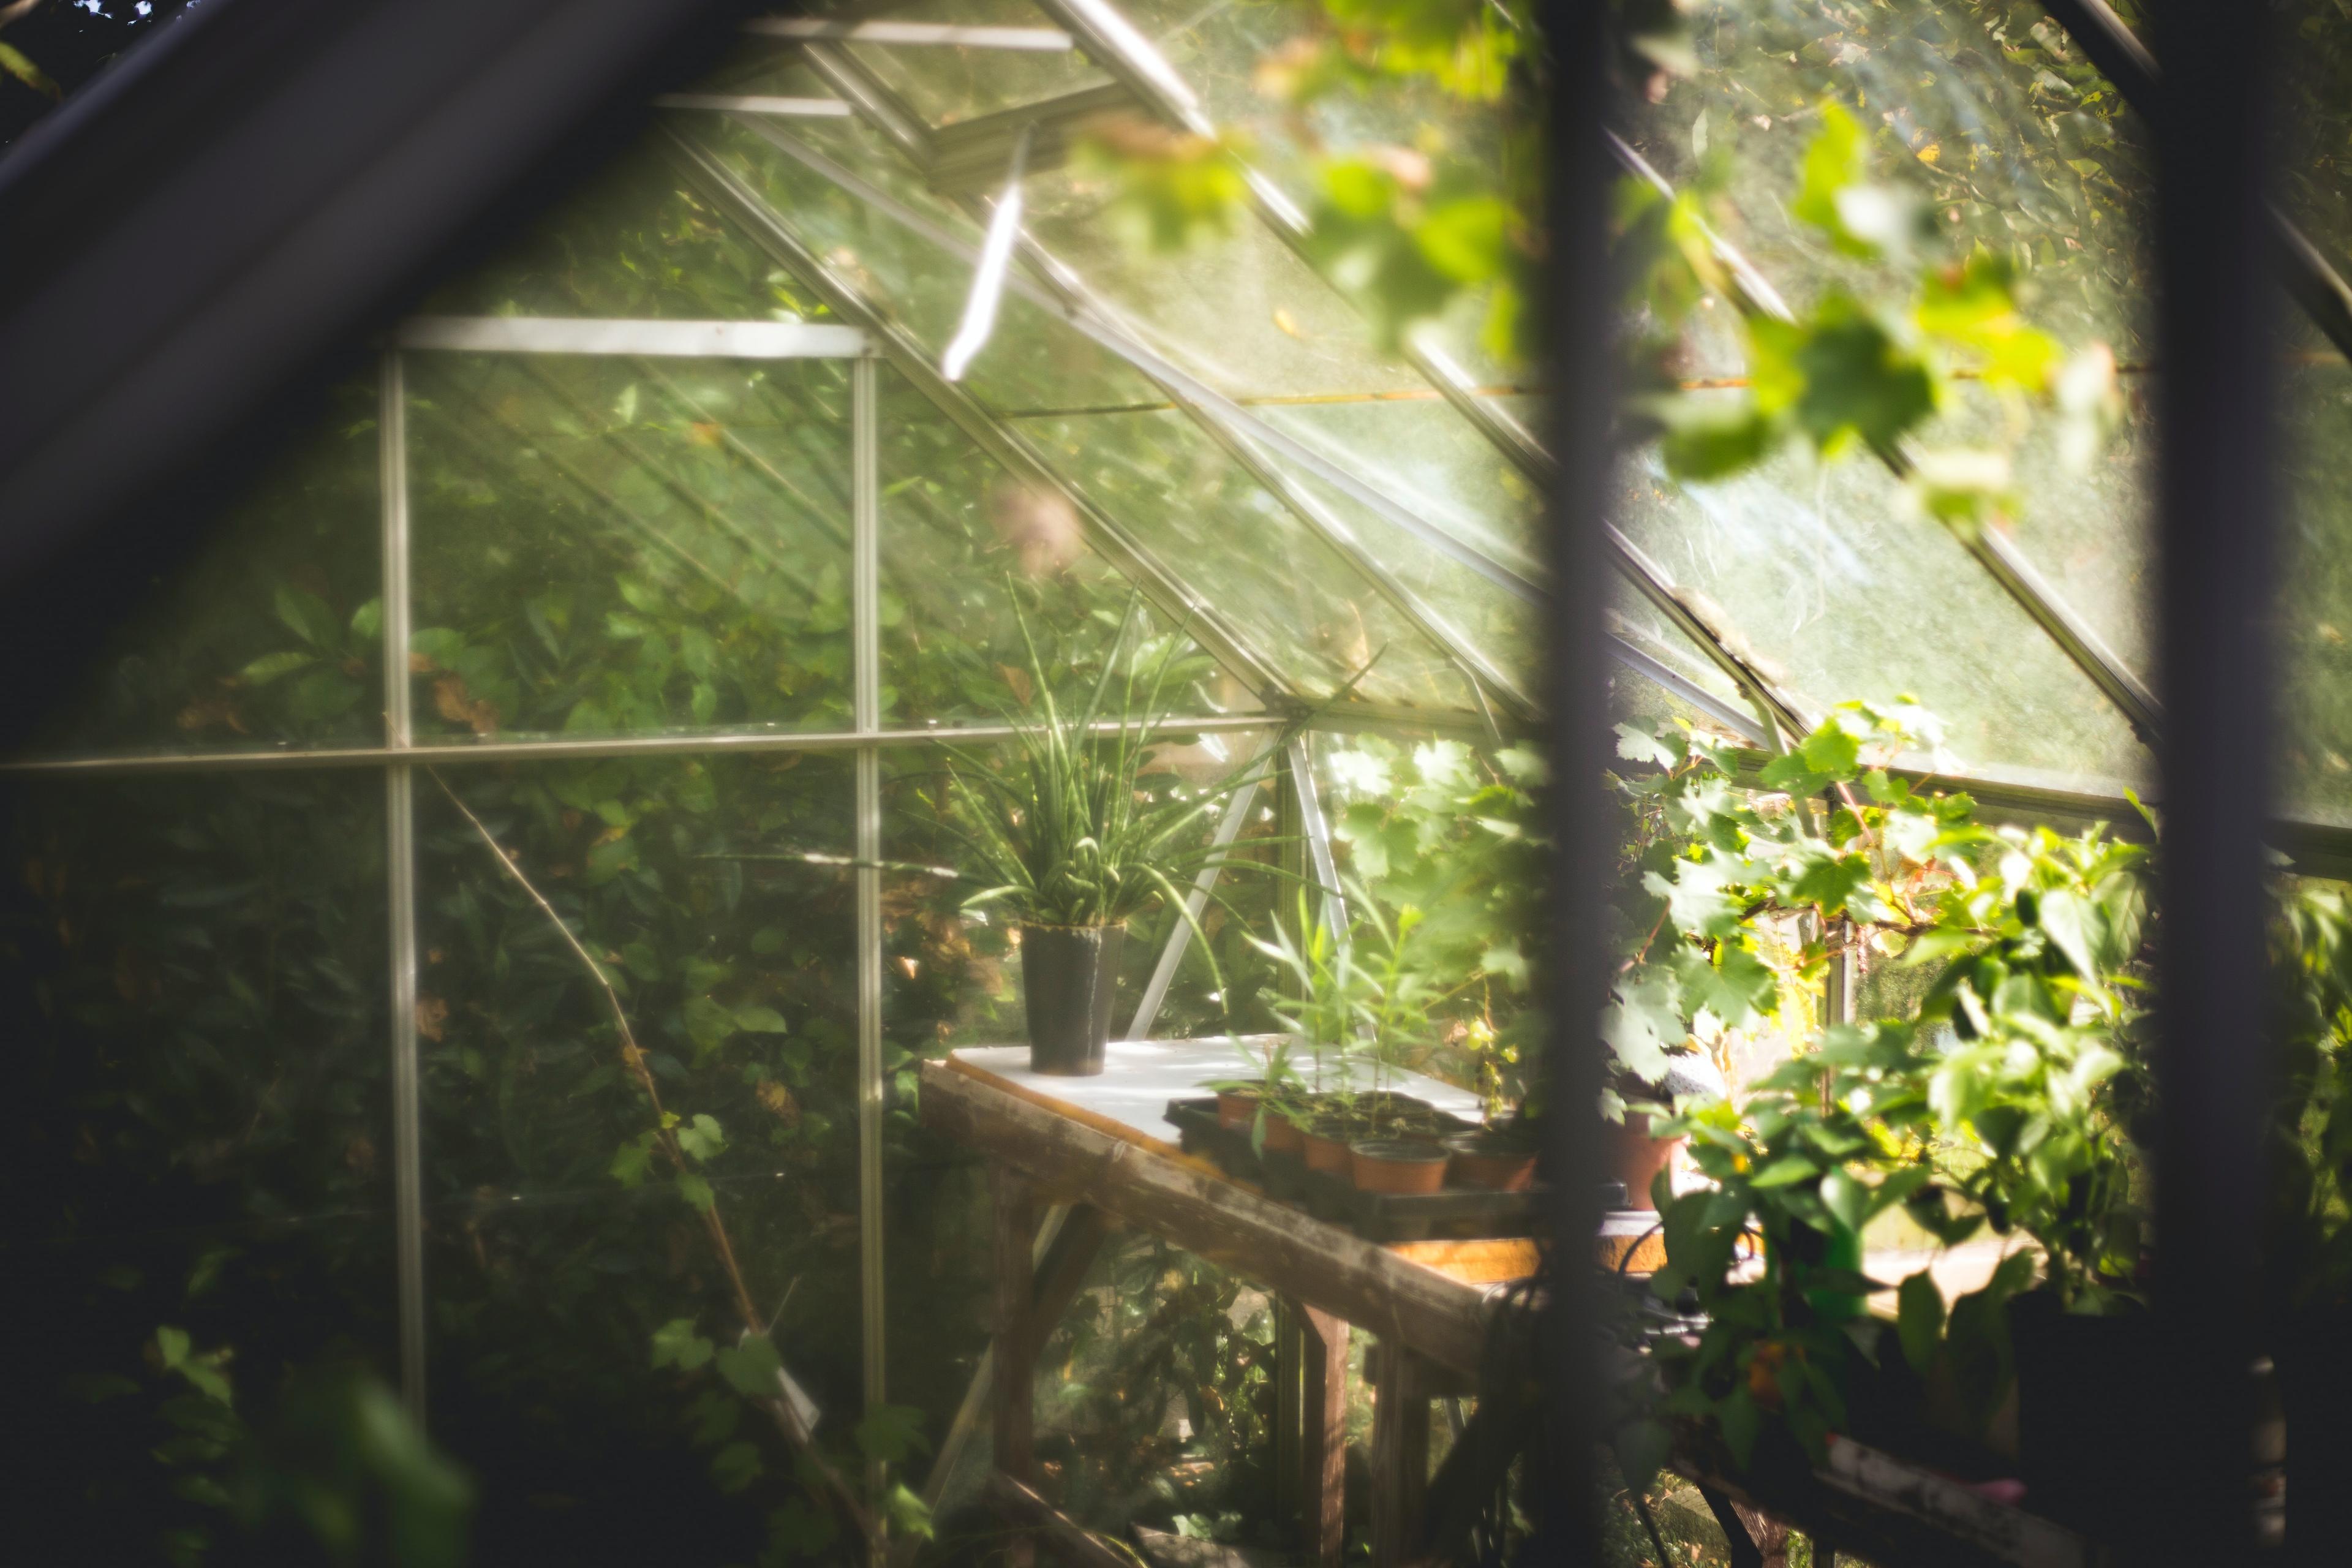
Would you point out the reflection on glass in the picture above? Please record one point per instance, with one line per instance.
(271, 634)
(198, 1127)
(712, 895)
(948, 82)
(608, 546)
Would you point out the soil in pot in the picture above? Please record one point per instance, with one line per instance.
(1068, 976)
(1397, 1165)
(1635, 1158)
(1491, 1159)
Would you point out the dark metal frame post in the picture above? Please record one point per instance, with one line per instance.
(1580, 298)
(2215, 509)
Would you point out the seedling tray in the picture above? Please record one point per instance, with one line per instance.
(1456, 1214)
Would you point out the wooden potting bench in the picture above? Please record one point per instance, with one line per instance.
(1101, 1145)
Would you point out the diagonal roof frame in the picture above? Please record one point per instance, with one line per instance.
(1122, 50)
(1168, 593)
(916, 140)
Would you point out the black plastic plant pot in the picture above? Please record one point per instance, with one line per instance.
(2090, 1390)
(1068, 975)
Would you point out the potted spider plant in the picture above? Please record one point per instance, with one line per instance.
(1071, 841)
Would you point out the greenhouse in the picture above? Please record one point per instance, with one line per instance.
(1270, 781)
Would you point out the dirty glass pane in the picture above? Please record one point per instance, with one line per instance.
(1256, 561)
(962, 543)
(638, 241)
(1029, 361)
(198, 1129)
(2315, 124)
(1240, 310)
(561, 1242)
(268, 633)
(1987, 110)
(607, 546)
(2314, 627)
(1637, 623)
(948, 83)
(1839, 590)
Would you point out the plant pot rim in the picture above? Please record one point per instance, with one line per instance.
(1491, 1141)
(1052, 925)
(1398, 1151)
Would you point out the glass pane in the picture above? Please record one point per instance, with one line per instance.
(2314, 622)
(2020, 144)
(1637, 622)
(946, 84)
(560, 1241)
(1242, 311)
(198, 1125)
(1256, 561)
(962, 543)
(2315, 123)
(267, 633)
(1031, 361)
(639, 241)
(1838, 591)
(613, 547)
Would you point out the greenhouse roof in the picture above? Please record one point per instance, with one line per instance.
(1361, 522)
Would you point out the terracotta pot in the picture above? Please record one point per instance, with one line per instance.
(1236, 1109)
(1483, 1160)
(1324, 1143)
(1282, 1135)
(1396, 1165)
(1635, 1158)
(1068, 975)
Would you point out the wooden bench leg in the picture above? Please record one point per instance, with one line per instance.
(1399, 1453)
(1012, 1423)
(1323, 1449)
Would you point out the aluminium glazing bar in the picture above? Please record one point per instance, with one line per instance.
(755, 103)
(948, 35)
(653, 339)
(1166, 592)
(400, 882)
(1318, 830)
(866, 708)
(2016, 576)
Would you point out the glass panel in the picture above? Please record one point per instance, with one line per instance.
(1638, 622)
(961, 541)
(638, 242)
(1241, 311)
(2315, 123)
(266, 635)
(1839, 590)
(1030, 361)
(556, 1252)
(198, 1127)
(2020, 144)
(2315, 630)
(1306, 608)
(611, 546)
(946, 84)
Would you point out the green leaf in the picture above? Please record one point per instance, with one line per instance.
(695, 1191)
(270, 666)
(1741, 1422)
(676, 1344)
(307, 616)
(1785, 1171)
(750, 1368)
(757, 1018)
(1643, 1448)
(1708, 437)
(709, 1024)
(1919, 1319)
(701, 1139)
(909, 1515)
(737, 1465)
(1846, 1198)
(891, 1432)
(631, 1160)
(16, 64)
